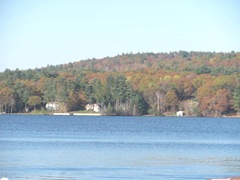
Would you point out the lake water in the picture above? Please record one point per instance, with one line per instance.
(85, 147)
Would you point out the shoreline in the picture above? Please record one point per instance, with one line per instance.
(76, 114)
(230, 178)
(99, 114)
(55, 114)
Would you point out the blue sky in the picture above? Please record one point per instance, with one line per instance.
(35, 33)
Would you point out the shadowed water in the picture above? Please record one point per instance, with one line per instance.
(79, 147)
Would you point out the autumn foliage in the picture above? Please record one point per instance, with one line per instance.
(199, 83)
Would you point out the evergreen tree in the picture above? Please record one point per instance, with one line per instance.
(236, 98)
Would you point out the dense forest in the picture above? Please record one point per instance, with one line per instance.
(198, 83)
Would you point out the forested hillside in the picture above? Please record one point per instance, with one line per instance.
(199, 83)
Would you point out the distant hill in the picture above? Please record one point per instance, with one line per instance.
(199, 83)
(199, 62)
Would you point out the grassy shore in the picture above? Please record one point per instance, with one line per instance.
(45, 112)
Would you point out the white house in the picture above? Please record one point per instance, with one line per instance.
(180, 113)
(93, 107)
(52, 106)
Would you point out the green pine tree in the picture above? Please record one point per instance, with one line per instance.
(236, 98)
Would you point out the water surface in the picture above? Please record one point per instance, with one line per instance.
(82, 147)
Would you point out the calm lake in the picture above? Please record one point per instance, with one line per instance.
(85, 147)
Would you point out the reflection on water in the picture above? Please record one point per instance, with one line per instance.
(68, 148)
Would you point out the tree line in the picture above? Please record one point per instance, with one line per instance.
(199, 83)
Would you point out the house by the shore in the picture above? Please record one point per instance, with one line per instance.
(93, 107)
(180, 113)
(52, 106)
